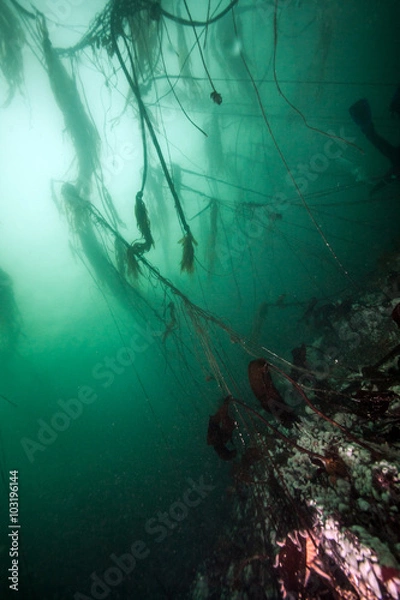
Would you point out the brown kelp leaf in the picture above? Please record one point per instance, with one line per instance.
(396, 314)
(142, 220)
(187, 263)
(220, 430)
(266, 393)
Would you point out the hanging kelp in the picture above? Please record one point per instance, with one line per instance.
(12, 40)
(130, 31)
(84, 220)
(188, 241)
(95, 234)
(143, 221)
(128, 262)
(143, 35)
(81, 129)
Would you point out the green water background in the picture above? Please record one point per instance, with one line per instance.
(131, 452)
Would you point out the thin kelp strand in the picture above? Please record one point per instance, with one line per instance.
(142, 122)
(200, 49)
(206, 27)
(172, 88)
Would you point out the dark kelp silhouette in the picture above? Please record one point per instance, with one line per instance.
(266, 393)
(220, 430)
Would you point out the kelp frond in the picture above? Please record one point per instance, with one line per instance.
(11, 43)
(142, 220)
(78, 124)
(187, 263)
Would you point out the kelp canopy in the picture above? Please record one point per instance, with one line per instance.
(221, 312)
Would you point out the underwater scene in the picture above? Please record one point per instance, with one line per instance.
(199, 299)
